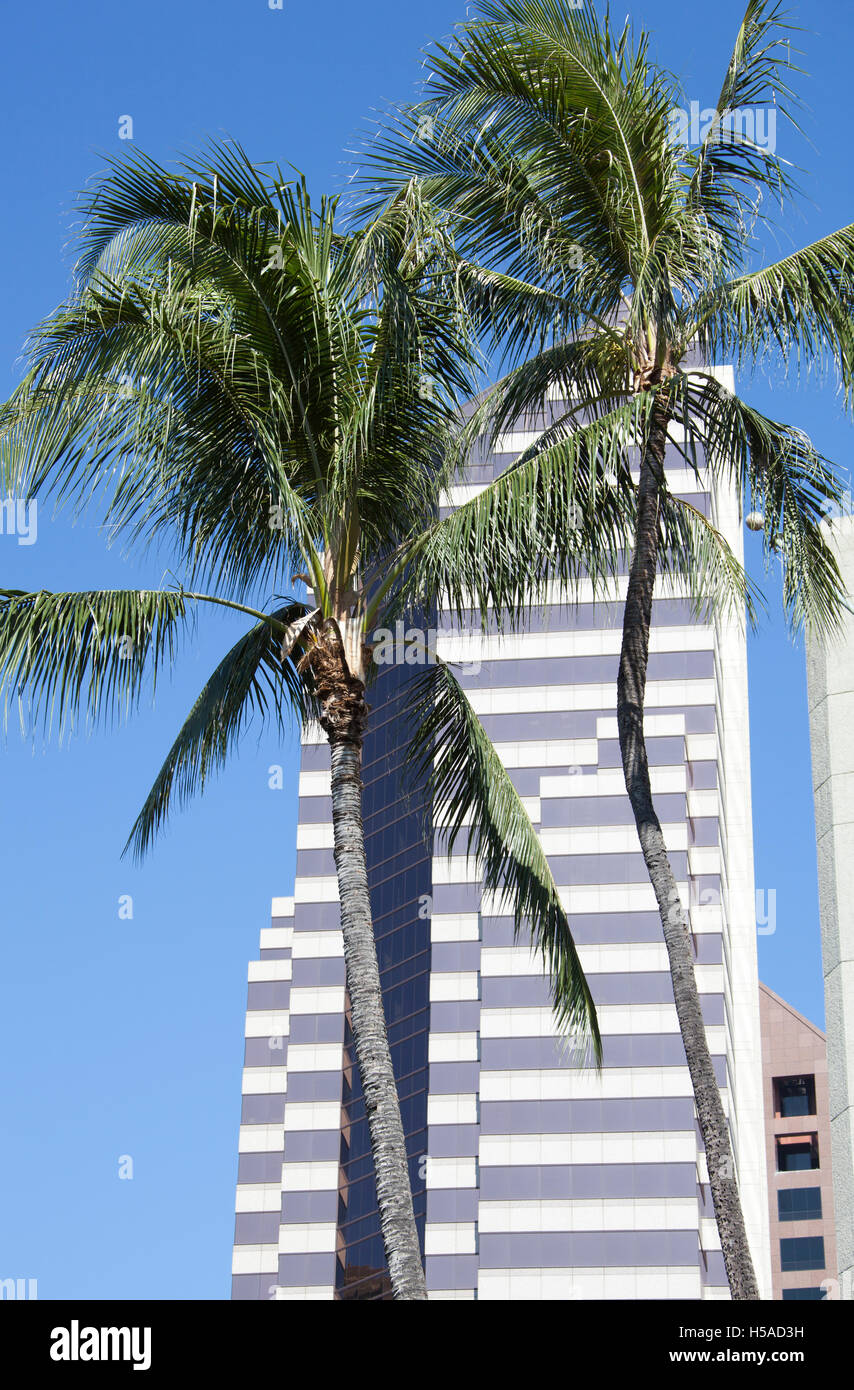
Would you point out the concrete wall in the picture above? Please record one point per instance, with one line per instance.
(830, 683)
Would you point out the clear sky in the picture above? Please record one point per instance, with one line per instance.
(124, 1037)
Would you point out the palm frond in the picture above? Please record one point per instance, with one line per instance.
(539, 123)
(254, 678)
(452, 758)
(562, 511)
(801, 307)
(779, 472)
(735, 165)
(699, 558)
(86, 653)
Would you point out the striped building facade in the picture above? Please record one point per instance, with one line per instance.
(532, 1178)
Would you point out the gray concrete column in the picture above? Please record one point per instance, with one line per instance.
(830, 689)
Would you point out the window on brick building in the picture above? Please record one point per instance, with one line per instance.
(796, 1152)
(801, 1252)
(794, 1095)
(799, 1204)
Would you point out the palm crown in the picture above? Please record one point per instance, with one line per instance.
(617, 259)
(279, 403)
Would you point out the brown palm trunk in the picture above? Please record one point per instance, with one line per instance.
(344, 715)
(631, 687)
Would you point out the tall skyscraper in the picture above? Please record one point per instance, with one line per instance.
(830, 686)
(532, 1178)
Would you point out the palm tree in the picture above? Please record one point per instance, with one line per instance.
(235, 379)
(619, 252)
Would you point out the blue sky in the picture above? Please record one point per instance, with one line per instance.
(124, 1037)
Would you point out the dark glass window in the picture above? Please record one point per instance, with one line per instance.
(797, 1152)
(794, 1095)
(801, 1252)
(814, 1295)
(799, 1204)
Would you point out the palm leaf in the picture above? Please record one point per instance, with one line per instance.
(787, 479)
(730, 168)
(252, 679)
(89, 652)
(801, 307)
(451, 758)
(561, 512)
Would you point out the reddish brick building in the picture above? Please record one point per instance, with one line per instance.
(797, 1129)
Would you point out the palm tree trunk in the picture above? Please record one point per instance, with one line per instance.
(388, 1144)
(631, 687)
(343, 716)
